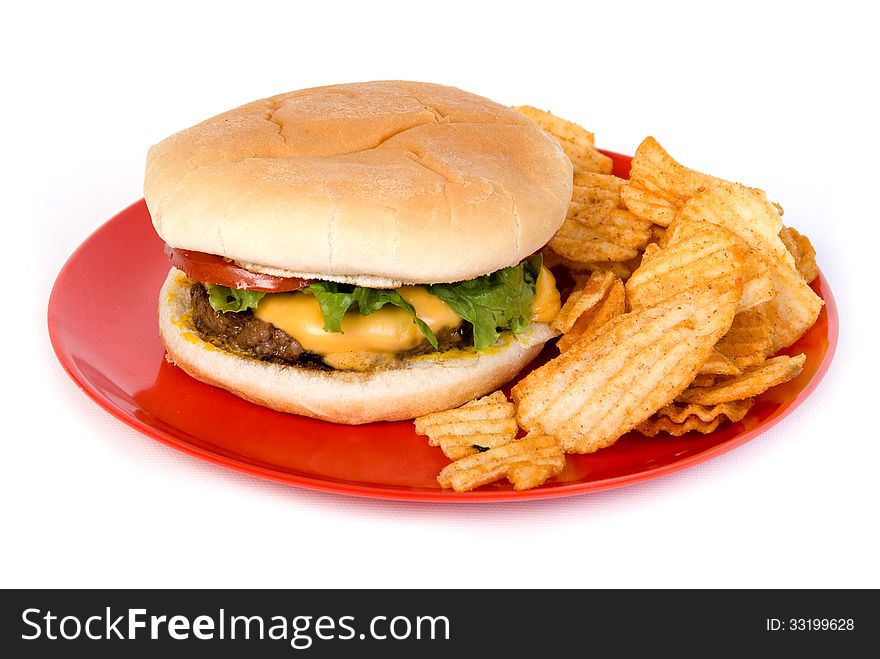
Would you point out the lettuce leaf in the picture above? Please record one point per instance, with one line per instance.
(223, 298)
(335, 299)
(494, 302)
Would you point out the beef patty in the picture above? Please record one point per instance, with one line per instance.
(241, 331)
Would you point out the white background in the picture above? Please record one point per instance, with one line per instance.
(775, 95)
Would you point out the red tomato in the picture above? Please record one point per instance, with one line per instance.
(215, 269)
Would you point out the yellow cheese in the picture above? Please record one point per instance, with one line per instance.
(547, 302)
(390, 329)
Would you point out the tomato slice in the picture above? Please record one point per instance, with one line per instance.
(214, 269)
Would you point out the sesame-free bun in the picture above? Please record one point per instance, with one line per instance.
(374, 183)
(421, 385)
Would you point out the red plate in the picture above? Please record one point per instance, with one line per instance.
(102, 322)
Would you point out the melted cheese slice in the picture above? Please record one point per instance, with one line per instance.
(389, 330)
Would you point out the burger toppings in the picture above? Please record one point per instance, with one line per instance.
(328, 322)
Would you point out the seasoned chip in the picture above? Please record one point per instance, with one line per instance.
(612, 304)
(803, 252)
(489, 399)
(719, 364)
(758, 286)
(587, 292)
(747, 213)
(525, 475)
(658, 235)
(560, 128)
(578, 143)
(620, 269)
(678, 419)
(475, 426)
(609, 382)
(526, 463)
(751, 383)
(602, 233)
(658, 185)
(696, 252)
(598, 227)
(651, 250)
(459, 446)
(589, 185)
(749, 341)
(744, 211)
(463, 415)
(703, 380)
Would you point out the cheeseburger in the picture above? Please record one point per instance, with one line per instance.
(358, 252)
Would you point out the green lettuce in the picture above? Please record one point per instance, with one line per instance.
(335, 299)
(224, 298)
(494, 302)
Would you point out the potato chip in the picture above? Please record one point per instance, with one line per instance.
(475, 426)
(598, 227)
(621, 269)
(796, 307)
(609, 382)
(489, 399)
(527, 463)
(578, 143)
(594, 186)
(560, 128)
(651, 250)
(747, 213)
(719, 364)
(525, 475)
(703, 380)
(658, 185)
(658, 235)
(744, 211)
(678, 419)
(758, 286)
(756, 381)
(588, 291)
(460, 446)
(803, 252)
(612, 304)
(695, 253)
(749, 341)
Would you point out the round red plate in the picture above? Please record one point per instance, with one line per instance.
(102, 323)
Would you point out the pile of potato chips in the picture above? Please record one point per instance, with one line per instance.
(685, 287)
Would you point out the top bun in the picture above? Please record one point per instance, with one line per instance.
(376, 183)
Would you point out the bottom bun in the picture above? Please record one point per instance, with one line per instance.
(422, 385)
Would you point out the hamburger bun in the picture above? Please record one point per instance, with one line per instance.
(377, 184)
